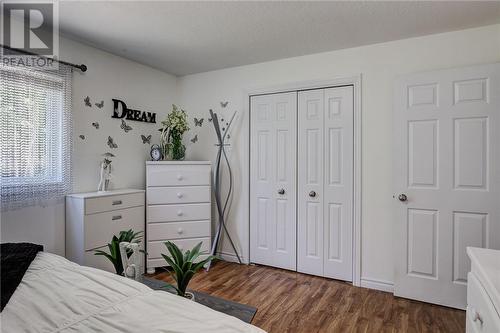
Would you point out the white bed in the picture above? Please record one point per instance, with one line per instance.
(57, 295)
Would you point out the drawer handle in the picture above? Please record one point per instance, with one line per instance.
(179, 177)
(180, 231)
(117, 202)
(179, 195)
(179, 213)
(116, 217)
(477, 317)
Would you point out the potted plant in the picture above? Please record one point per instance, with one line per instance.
(174, 127)
(128, 236)
(184, 266)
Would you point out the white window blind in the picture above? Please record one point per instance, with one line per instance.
(36, 138)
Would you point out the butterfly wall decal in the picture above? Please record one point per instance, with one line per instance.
(111, 143)
(195, 139)
(146, 139)
(95, 124)
(210, 119)
(99, 105)
(125, 127)
(81, 136)
(224, 104)
(87, 101)
(198, 122)
(108, 154)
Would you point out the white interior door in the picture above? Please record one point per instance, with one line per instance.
(311, 107)
(325, 182)
(273, 179)
(446, 177)
(338, 182)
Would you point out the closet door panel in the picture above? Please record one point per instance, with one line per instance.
(310, 182)
(273, 180)
(285, 191)
(338, 183)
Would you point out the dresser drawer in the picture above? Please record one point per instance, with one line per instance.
(156, 248)
(178, 175)
(481, 314)
(175, 230)
(172, 213)
(99, 228)
(113, 202)
(179, 194)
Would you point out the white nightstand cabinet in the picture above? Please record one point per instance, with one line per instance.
(178, 207)
(93, 218)
(483, 291)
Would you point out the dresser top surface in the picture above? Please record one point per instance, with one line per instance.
(105, 193)
(486, 265)
(178, 162)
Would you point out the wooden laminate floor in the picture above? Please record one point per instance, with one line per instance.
(294, 302)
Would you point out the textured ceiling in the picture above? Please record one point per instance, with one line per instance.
(190, 37)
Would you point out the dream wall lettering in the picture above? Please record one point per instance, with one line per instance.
(120, 110)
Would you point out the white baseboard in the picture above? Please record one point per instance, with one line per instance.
(377, 284)
(231, 257)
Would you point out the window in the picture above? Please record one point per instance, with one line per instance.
(35, 135)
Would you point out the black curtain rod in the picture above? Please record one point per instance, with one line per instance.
(81, 67)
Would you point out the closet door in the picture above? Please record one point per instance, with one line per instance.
(310, 181)
(325, 182)
(338, 182)
(273, 158)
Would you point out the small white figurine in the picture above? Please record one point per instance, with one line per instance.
(105, 173)
(132, 266)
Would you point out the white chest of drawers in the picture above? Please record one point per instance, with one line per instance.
(483, 291)
(93, 218)
(178, 207)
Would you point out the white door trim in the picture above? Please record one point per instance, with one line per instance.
(355, 81)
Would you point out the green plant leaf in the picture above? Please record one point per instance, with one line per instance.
(175, 252)
(178, 271)
(185, 281)
(202, 263)
(196, 252)
(186, 255)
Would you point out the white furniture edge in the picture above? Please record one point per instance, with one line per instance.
(179, 162)
(485, 267)
(356, 82)
(85, 195)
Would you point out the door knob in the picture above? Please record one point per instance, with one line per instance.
(312, 194)
(179, 195)
(179, 213)
(281, 191)
(402, 197)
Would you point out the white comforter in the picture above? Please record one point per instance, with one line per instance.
(57, 295)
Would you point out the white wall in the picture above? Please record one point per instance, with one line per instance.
(379, 64)
(108, 77)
